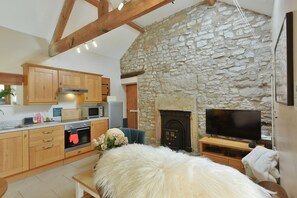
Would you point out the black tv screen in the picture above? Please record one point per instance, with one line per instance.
(243, 124)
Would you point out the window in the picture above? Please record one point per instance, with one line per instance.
(9, 81)
(8, 98)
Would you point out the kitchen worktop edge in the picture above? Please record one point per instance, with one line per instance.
(48, 124)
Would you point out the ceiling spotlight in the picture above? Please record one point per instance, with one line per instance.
(94, 43)
(121, 5)
(86, 46)
(78, 50)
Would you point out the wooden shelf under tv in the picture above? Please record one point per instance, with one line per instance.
(223, 151)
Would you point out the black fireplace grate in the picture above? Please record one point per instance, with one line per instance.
(176, 130)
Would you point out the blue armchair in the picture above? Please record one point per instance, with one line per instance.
(134, 135)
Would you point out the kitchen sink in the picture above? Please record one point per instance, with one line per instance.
(12, 127)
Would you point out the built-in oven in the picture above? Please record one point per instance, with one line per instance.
(77, 135)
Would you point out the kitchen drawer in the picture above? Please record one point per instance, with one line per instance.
(45, 139)
(217, 159)
(78, 151)
(37, 134)
(46, 153)
(237, 164)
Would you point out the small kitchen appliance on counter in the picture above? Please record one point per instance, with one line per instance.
(90, 112)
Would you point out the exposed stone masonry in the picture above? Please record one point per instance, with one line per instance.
(206, 52)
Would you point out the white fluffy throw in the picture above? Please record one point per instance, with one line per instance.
(141, 171)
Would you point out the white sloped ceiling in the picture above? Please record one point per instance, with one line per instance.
(39, 18)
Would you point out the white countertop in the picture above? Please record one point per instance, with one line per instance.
(46, 124)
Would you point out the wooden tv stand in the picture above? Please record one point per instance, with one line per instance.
(223, 151)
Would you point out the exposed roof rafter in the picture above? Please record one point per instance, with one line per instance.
(63, 19)
(107, 22)
(136, 27)
(93, 2)
(103, 7)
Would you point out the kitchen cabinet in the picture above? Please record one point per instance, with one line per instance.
(98, 128)
(46, 145)
(71, 79)
(93, 84)
(105, 86)
(40, 84)
(13, 153)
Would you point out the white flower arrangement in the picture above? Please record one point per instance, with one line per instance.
(112, 138)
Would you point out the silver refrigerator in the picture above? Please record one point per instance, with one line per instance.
(114, 112)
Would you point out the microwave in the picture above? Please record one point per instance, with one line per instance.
(90, 112)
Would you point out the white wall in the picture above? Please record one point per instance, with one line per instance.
(17, 48)
(285, 116)
(281, 7)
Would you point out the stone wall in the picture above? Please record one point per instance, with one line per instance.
(205, 52)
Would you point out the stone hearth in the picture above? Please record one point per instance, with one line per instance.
(178, 103)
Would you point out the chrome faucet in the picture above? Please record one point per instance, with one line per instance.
(2, 111)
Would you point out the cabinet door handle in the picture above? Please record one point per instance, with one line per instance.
(48, 140)
(48, 147)
(47, 132)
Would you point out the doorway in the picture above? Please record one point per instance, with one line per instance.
(132, 106)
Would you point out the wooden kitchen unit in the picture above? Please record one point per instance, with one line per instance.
(40, 85)
(46, 145)
(94, 95)
(28, 152)
(13, 153)
(105, 86)
(98, 128)
(71, 79)
(223, 151)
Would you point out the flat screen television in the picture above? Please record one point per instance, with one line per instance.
(243, 124)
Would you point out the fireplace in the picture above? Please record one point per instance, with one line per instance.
(176, 129)
(185, 104)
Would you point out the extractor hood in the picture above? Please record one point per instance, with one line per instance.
(73, 90)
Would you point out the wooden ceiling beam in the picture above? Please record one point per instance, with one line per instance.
(136, 27)
(63, 19)
(11, 79)
(107, 22)
(93, 2)
(211, 2)
(103, 7)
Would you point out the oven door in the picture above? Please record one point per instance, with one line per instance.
(73, 141)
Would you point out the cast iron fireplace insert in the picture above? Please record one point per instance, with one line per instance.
(176, 130)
